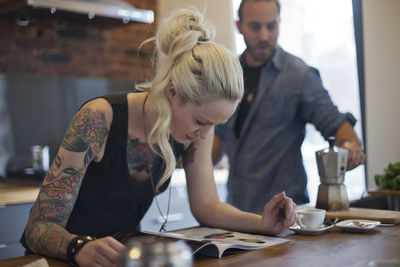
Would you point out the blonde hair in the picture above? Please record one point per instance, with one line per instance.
(199, 69)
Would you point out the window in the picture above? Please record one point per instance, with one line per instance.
(322, 34)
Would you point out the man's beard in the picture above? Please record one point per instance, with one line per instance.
(260, 56)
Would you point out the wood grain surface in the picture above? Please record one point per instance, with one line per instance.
(384, 216)
(384, 192)
(333, 248)
(17, 193)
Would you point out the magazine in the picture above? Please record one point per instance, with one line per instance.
(215, 242)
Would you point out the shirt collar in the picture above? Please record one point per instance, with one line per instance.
(277, 58)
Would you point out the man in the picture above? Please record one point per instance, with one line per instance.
(282, 94)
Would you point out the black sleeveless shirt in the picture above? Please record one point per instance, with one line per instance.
(109, 200)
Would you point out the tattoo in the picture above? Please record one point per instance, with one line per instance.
(57, 161)
(45, 232)
(188, 156)
(87, 132)
(137, 157)
(50, 239)
(137, 153)
(52, 173)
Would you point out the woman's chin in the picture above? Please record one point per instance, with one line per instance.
(179, 139)
(184, 139)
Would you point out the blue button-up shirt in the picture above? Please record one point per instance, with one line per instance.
(266, 158)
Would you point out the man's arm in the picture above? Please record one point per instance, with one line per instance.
(347, 139)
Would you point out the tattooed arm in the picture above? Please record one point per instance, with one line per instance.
(207, 208)
(83, 142)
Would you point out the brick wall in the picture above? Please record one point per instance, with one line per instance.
(70, 45)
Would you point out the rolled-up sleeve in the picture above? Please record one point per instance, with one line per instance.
(318, 108)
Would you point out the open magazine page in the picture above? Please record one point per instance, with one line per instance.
(214, 242)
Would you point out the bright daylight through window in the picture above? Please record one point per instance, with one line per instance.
(322, 34)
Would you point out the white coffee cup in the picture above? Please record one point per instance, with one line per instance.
(311, 218)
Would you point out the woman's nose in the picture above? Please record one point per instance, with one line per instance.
(197, 133)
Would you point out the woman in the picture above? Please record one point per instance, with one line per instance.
(120, 150)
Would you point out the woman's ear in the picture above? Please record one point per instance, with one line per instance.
(170, 91)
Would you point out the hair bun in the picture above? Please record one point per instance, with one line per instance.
(182, 31)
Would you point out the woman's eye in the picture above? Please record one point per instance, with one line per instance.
(200, 123)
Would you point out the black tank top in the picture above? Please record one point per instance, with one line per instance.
(109, 200)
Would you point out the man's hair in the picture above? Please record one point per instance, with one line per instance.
(278, 4)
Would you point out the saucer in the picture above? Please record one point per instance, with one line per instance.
(361, 226)
(316, 231)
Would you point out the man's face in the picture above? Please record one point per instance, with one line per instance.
(259, 25)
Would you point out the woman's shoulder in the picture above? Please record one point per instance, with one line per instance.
(98, 104)
(98, 108)
(106, 102)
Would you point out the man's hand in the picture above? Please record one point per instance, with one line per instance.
(101, 252)
(356, 155)
(346, 138)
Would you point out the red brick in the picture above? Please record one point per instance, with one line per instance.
(104, 52)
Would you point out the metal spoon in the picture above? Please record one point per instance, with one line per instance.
(361, 224)
(331, 221)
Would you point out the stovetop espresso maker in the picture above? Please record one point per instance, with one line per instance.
(332, 164)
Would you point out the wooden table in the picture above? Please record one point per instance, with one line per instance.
(16, 200)
(333, 248)
(393, 197)
(12, 192)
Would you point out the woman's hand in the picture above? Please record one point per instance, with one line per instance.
(101, 252)
(279, 214)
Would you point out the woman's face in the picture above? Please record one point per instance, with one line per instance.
(191, 121)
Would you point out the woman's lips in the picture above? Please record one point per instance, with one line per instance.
(189, 138)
